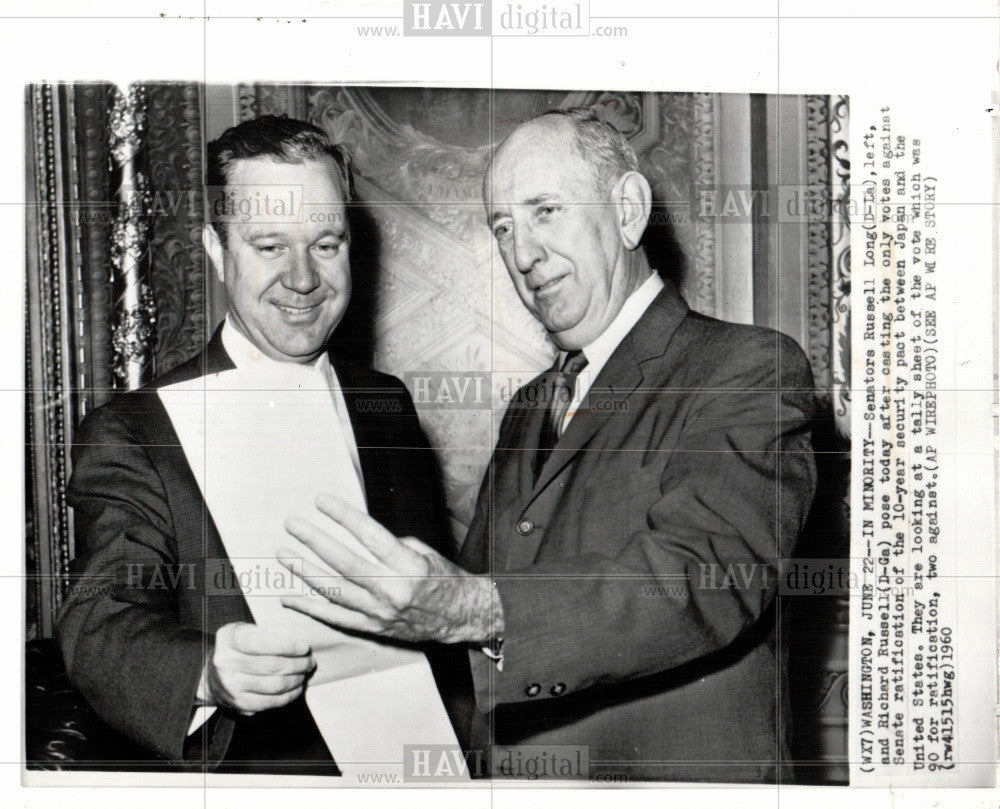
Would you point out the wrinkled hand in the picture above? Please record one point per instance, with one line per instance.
(410, 592)
(252, 669)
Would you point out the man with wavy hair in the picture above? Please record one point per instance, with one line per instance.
(157, 632)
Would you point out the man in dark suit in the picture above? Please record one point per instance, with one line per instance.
(619, 572)
(156, 632)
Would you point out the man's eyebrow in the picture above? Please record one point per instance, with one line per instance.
(538, 199)
(336, 233)
(268, 234)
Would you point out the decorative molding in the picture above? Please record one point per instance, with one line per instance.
(840, 250)
(32, 535)
(282, 100)
(135, 316)
(701, 288)
(96, 209)
(820, 660)
(50, 415)
(818, 247)
(829, 254)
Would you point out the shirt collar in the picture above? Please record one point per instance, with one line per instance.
(636, 304)
(247, 357)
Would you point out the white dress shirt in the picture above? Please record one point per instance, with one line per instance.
(315, 375)
(245, 354)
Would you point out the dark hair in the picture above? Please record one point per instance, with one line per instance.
(286, 140)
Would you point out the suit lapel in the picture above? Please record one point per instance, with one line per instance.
(614, 384)
(212, 360)
(354, 384)
(193, 518)
(216, 358)
(617, 380)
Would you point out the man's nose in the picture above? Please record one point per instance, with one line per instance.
(527, 249)
(301, 276)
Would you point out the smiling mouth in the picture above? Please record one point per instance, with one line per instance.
(297, 310)
(548, 285)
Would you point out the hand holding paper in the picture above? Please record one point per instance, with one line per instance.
(391, 587)
(252, 669)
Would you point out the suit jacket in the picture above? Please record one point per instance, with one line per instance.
(139, 622)
(637, 572)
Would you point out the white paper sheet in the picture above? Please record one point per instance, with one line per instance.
(262, 443)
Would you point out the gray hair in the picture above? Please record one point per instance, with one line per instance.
(602, 146)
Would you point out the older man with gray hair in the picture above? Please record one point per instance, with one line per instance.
(664, 453)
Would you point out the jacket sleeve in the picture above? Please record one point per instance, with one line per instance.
(731, 501)
(123, 641)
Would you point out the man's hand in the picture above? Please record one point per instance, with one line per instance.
(252, 669)
(410, 592)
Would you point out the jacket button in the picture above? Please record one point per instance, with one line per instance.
(533, 690)
(525, 527)
(557, 689)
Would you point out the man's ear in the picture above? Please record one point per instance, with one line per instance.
(633, 199)
(216, 252)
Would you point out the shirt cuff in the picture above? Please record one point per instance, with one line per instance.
(201, 715)
(495, 652)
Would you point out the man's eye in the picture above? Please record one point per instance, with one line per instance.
(501, 232)
(328, 248)
(268, 249)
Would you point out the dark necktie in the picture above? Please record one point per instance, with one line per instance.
(562, 394)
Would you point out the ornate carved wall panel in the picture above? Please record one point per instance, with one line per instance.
(177, 274)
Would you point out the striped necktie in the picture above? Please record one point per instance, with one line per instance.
(562, 394)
